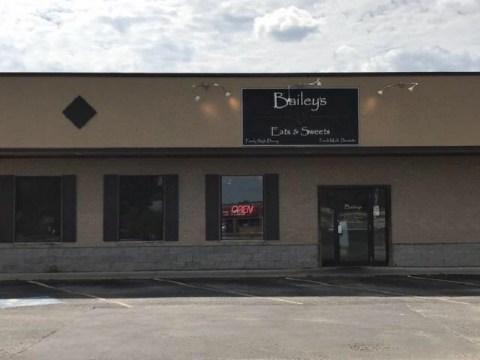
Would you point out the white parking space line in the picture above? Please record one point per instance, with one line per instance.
(346, 287)
(386, 292)
(228, 291)
(439, 323)
(443, 280)
(119, 303)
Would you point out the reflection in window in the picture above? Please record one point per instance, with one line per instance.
(141, 208)
(37, 208)
(327, 227)
(379, 225)
(242, 207)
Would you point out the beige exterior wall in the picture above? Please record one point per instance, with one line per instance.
(434, 199)
(160, 111)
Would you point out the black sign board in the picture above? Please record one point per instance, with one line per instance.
(300, 117)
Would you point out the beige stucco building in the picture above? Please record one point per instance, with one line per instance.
(124, 172)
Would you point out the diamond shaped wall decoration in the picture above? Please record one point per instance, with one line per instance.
(79, 112)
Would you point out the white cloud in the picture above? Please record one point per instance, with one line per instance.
(11, 58)
(430, 59)
(286, 24)
(239, 35)
(459, 6)
(400, 60)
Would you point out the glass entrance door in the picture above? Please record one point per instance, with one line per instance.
(353, 227)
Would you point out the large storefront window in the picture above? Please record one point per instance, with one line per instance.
(37, 208)
(242, 207)
(141, 207)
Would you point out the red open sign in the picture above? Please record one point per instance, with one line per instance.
(242, 209)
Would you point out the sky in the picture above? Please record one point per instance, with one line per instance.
(239, 36)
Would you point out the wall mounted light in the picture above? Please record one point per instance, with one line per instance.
(205, 87)
(409, 85)
(315, 84)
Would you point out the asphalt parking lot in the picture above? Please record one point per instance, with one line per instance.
(377, 317)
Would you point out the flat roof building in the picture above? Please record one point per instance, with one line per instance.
(146, 172)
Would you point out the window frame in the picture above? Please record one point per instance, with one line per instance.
(67, 214)
(271, 208)
(221, 208)
(119, 208)
(58, 201)
(111, 208)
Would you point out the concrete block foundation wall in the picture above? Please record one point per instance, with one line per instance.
(154, 258)
(436, 255)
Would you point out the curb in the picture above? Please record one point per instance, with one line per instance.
(212, 274)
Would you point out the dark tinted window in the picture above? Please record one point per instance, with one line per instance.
(141, 208)
(242, 207)
(38, 208)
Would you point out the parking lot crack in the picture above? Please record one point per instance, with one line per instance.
(46, 336)
(36, 342)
